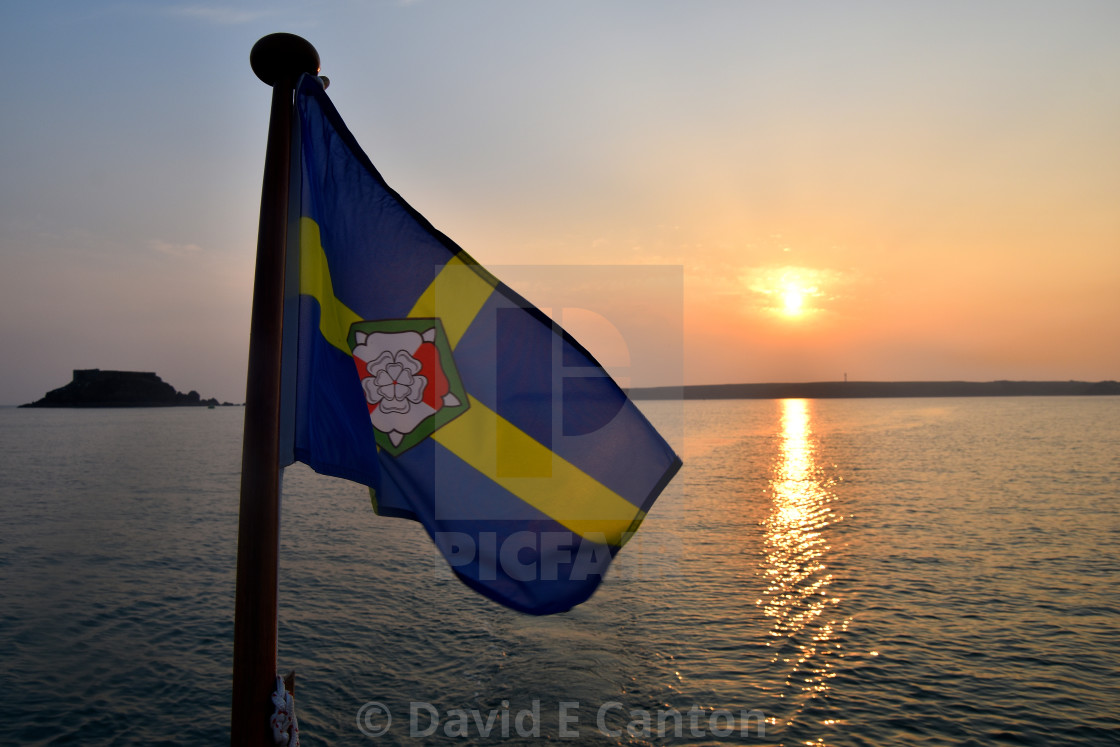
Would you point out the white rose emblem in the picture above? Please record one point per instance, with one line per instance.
(395, 386)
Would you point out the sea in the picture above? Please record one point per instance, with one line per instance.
(821, 572)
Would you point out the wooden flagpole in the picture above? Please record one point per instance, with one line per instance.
(278, 60)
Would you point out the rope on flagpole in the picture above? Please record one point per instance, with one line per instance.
(285, 728)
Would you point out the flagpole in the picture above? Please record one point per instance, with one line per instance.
(278, 60)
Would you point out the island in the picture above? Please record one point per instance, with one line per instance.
(92, 387)
(858, 389)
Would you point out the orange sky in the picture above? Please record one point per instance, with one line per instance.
(946, 177)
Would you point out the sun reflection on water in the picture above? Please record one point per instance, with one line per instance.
(799, 597)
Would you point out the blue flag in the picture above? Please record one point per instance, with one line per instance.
(460, 405)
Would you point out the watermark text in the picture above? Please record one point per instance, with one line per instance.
(611, 719)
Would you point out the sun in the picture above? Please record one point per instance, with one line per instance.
(793, 301)
(794, 294)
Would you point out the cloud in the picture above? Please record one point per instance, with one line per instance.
(217, 14)
(175, 250)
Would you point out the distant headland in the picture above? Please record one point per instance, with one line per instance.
(92, 387)
(856, 389)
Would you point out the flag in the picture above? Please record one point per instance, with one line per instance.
(460, 405)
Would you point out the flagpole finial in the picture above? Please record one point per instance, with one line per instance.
(279, 56)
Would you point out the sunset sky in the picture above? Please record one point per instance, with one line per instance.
(887, 190)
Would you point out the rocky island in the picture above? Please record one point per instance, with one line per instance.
(92, 387)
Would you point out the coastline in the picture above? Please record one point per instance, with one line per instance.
(870, 389)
